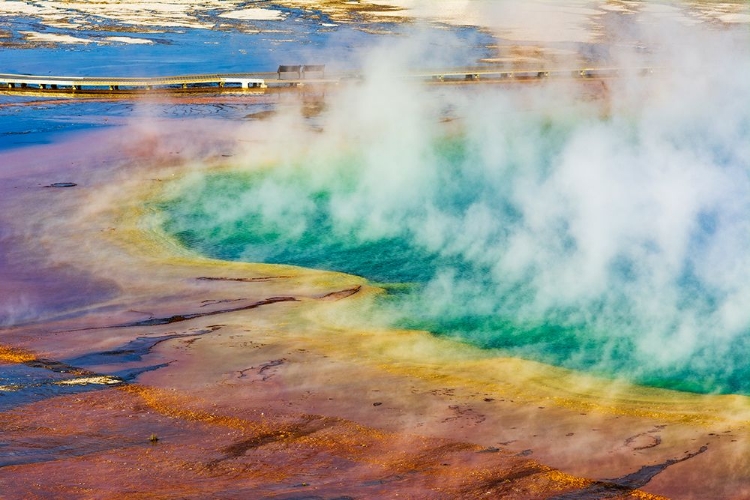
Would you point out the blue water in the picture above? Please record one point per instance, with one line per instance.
(457, 293)
(300, 38)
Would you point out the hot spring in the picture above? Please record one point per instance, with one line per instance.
(606, 239)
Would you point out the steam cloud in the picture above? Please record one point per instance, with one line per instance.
(608, 234)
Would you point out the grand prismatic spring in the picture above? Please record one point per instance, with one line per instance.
(382, 286)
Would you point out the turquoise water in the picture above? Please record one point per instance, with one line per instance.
(443, 245)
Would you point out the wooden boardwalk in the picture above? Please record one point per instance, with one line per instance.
(285, 77)
(76, 84)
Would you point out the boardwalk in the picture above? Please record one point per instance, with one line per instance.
(75, 84)
(284, 77)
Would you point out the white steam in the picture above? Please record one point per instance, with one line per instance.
(630, 214)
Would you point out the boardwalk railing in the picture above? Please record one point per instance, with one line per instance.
(285, 76)
(74, 83)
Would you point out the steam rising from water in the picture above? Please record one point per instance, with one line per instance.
(613, 240)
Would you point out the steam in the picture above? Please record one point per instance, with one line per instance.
(610, 235)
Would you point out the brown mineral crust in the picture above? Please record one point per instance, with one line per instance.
(15, 355)
(347, 11)
(98, 445)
